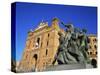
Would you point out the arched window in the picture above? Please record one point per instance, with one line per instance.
(47, 43)
(96, 52)
(90, 53)
(37, 42)
(35, 56)
(46, 51)
(95, 46)
(48, 34)
(95, 40)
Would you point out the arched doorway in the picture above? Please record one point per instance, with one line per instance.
(94, 63)
(35, 57)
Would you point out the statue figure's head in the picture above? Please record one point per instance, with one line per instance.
(70, 27)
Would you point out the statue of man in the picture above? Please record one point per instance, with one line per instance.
(73, 45)
(83, 46)
(63, 56)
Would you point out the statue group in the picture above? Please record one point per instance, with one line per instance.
(73, 46)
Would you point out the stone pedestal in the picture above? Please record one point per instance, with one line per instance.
(66, 67)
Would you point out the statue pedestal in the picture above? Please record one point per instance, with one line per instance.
(66, 67)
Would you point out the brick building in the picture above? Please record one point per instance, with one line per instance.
(92, 50)
(41, 47)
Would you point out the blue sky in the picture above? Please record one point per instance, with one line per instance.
(29, 15)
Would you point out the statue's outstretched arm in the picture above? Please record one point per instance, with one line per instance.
(63, 24)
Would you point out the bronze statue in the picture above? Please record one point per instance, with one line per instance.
(73, 46)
